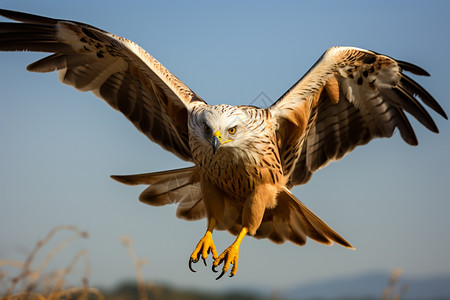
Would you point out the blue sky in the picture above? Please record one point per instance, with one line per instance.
(59, 146)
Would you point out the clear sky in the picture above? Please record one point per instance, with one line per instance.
(58, 146)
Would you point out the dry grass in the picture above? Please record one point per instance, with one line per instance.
(391, 291)
(37, 283)
(143, 287)
(34, 283)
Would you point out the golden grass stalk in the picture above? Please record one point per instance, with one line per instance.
(138, 264)
(28, 277)
(391, 290)
(60, 280)
(25, 295)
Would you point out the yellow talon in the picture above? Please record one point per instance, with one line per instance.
(204, 246)
(230, 255)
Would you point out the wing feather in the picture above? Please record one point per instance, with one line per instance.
(315, 126)
(415, 89)
(180, 186)
(402, 98)
(113, 68)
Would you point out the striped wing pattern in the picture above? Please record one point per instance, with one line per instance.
(113, 68)
(349, 97)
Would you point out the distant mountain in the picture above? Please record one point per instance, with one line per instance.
(371, 286)
(368, 286)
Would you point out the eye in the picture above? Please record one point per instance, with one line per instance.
(207, 129)
(232, 130)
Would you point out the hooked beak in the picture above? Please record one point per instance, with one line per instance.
(216, 141)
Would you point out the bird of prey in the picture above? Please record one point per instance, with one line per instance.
(245, 159)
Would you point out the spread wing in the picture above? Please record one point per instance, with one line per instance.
(113, 68)
(349, 97)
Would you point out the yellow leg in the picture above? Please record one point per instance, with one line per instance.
(231, 255)
(204, 246)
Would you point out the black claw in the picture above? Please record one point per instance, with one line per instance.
(214, 269)
(231, 275)
(221, 274)
(190, 264)
(204, 261)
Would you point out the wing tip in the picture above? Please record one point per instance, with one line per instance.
(349, 246)
(341, 241)
(26, 17)
(415, 69)
(123, 179)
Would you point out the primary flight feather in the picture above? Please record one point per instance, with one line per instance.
(245, 158)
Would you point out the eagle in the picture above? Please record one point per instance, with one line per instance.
(245, 158)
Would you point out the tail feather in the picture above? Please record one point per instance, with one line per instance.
(292, 220)
(180, 186)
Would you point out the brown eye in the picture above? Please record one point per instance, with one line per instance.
(207, 129)
(232, 130)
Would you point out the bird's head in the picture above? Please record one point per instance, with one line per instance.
(221, 126)
(217, 138)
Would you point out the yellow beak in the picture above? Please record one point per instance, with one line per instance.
(216, 141)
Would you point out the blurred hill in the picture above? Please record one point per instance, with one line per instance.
(371, 286)
(129, 291)
(368, 286)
